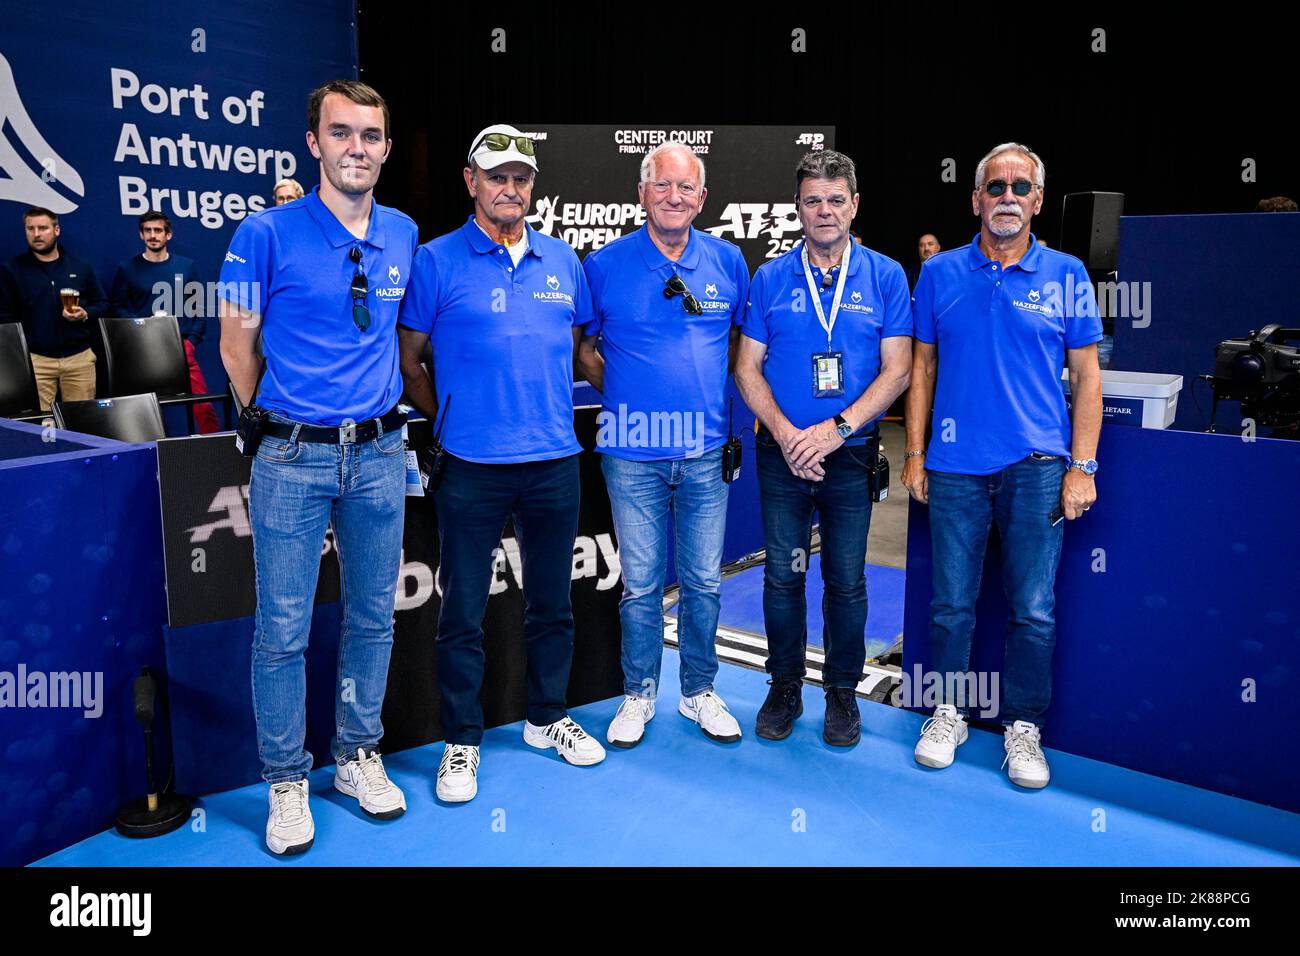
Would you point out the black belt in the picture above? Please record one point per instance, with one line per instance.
(338, 434)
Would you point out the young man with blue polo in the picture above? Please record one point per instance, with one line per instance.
(996, 321)
(321, 281)
(668, 303)
(501, 306)
(826, 349)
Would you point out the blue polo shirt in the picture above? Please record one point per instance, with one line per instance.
(502, 338)
(665, 370)
(320, 368)
(875, 305)
(1002, 335)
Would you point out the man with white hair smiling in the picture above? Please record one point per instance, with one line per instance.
(668, 301)
(995, 322)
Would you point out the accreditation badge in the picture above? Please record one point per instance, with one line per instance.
(828, 374)
(414, 486)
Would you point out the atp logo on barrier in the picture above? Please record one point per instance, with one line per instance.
(19, 182)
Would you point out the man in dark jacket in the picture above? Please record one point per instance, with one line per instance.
(33, 290)
(160, 281)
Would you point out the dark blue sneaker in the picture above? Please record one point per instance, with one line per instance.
(843, 722)
(784, 703)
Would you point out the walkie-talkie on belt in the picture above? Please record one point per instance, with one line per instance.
(433, 460)
(730, 451)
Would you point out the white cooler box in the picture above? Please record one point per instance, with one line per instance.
(1148, 399)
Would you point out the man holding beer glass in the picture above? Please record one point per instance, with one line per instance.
(55, 296)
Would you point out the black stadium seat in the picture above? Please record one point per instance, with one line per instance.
(147, 355)
(131, 418)
(18, 396)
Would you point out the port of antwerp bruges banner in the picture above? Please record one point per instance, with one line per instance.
(195, 110)
(586, 190)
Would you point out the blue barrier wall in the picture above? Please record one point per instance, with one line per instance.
(1212, 278)
(209, 669)
(81, 590)
(1198, 595)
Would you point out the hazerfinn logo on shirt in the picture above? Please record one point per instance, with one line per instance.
(1034, 305)
(853, 303)
(554, 294)
(392, 291)
(710, 301)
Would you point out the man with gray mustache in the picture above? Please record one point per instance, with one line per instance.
(992, 333)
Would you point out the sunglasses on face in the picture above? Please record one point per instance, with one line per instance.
(675, 286)
(360, 291)
(500, 142)
(996, 187)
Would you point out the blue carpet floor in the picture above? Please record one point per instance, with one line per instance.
(682, 799)
(742, 604)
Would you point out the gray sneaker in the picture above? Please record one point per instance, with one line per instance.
(1025, 762)
(364, 777)
(289, 826)
(941, 735)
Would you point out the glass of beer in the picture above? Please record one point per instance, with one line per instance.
(71, 298)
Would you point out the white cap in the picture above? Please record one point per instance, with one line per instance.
(485, 158)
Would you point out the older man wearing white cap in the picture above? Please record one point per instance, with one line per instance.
(503, 306)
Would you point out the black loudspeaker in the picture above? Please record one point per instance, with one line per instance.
(1090, 229)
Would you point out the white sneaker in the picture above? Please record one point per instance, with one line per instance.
(710, 712)
(568, 738)
(363, 777)
(628, 726)
(458, 773)
(941, 735)
(289, 826)
(1025, 762)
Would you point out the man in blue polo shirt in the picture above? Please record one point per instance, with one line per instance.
(826, 349)
(501, 306)
(321, 280)
(996, 321)
(668, 303)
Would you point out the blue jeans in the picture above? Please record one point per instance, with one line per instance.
(641, 496)
(297, 490)
(473, 503)
(843, 501)
(962, 509)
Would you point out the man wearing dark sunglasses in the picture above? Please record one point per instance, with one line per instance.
(320, 281)
(995, 323)
(668, 303)
(502, 306)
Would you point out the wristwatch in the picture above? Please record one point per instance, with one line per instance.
(843, 427)
(914, 454)
(1086, 465)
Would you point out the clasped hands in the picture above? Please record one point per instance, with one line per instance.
(805, 448)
